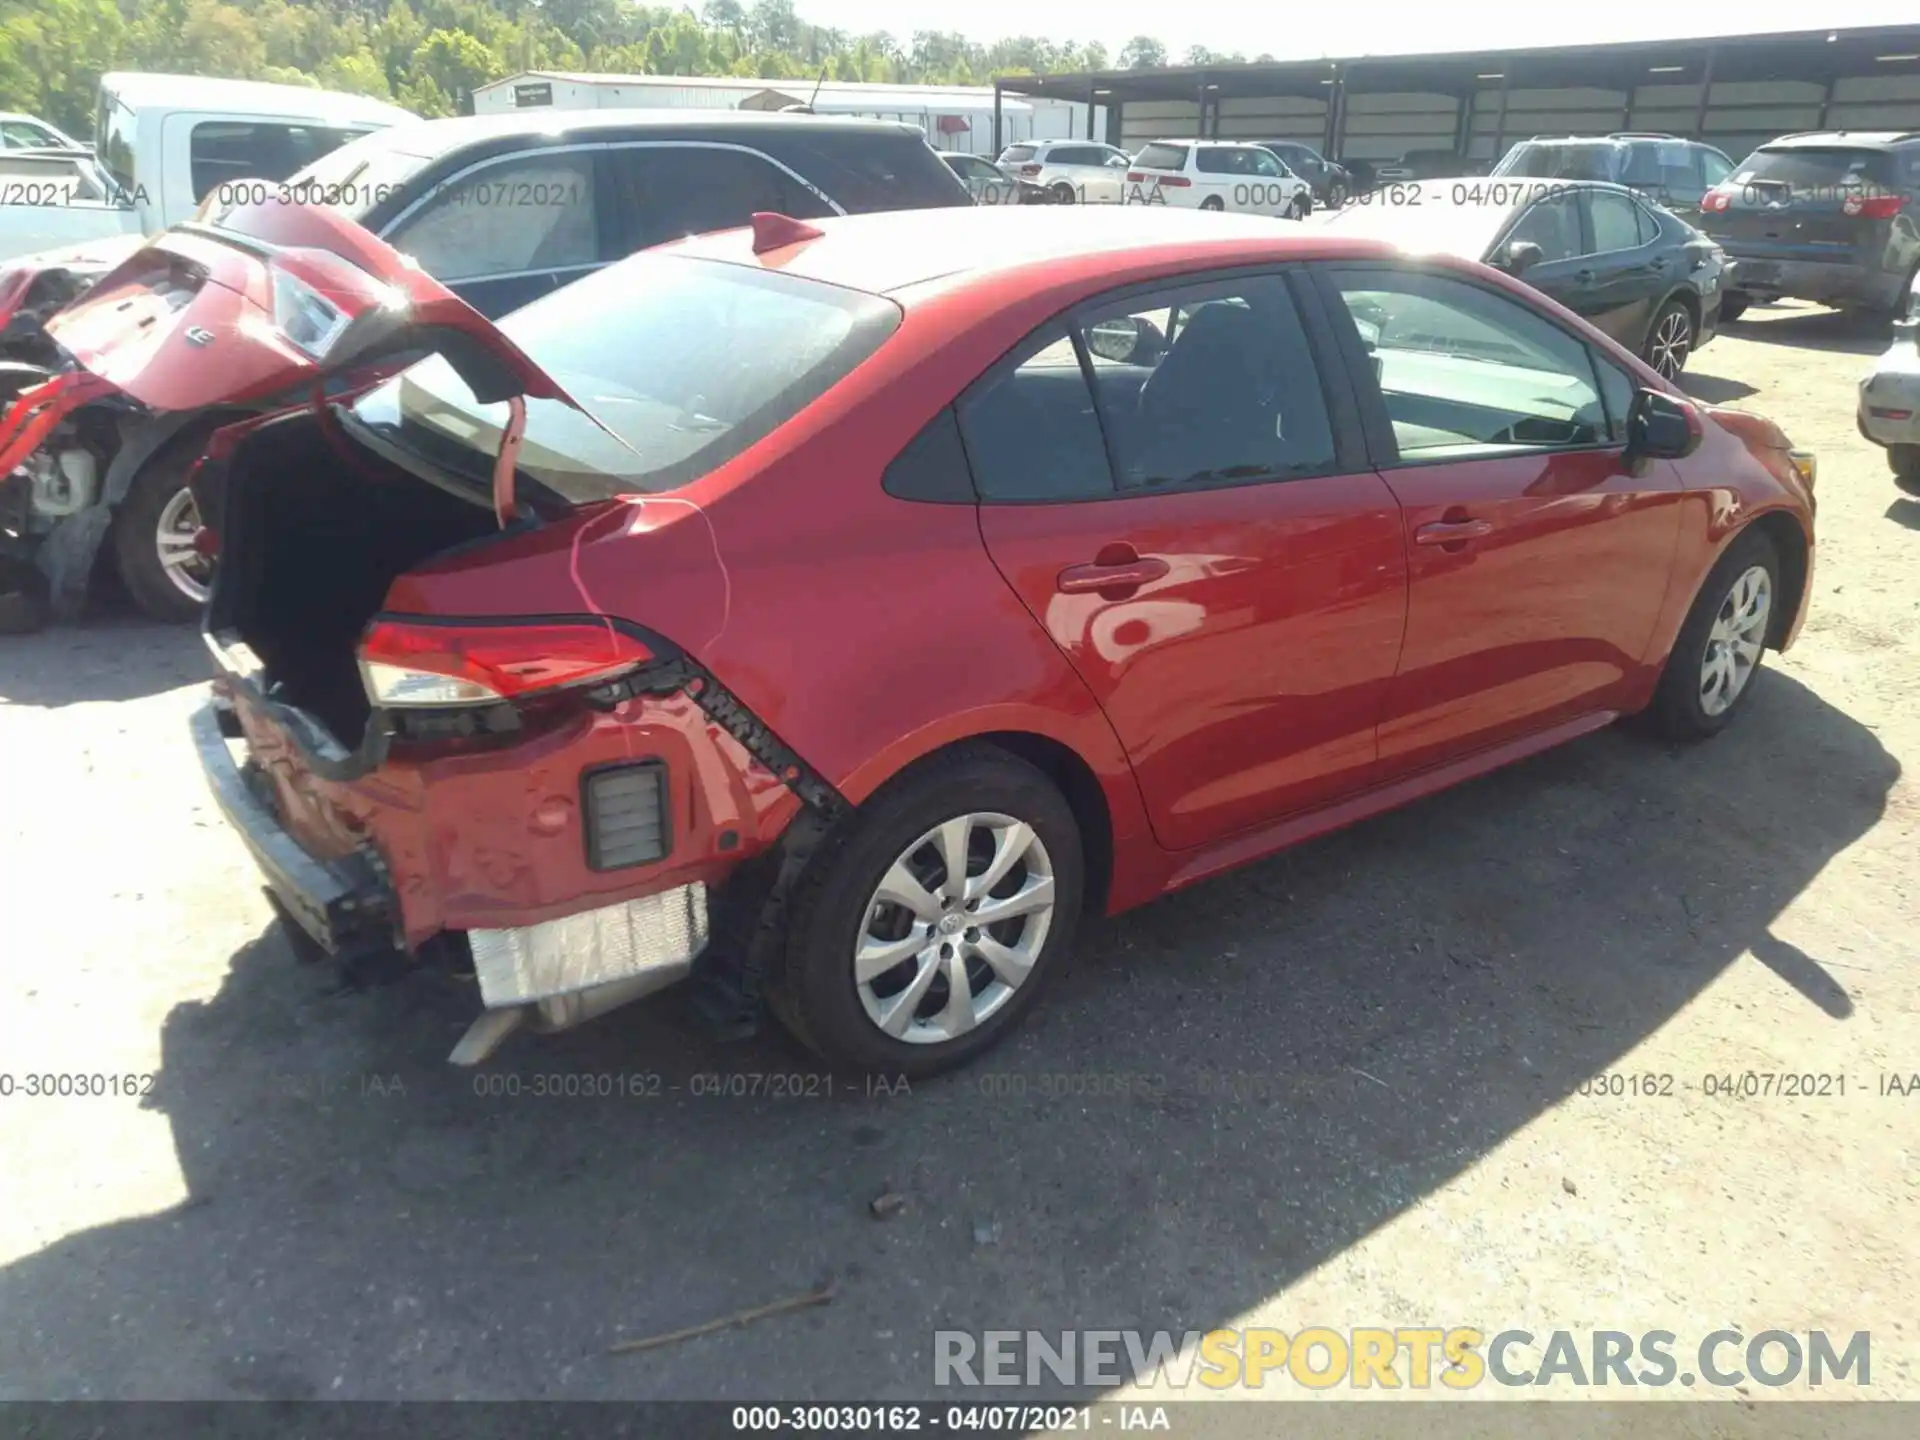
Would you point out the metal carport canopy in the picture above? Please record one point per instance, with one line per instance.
(1821, 55)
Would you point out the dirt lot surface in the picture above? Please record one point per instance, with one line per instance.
(1351, 1074)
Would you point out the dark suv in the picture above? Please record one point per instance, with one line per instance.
(1831, 216)
(1662, 168)
(1331, 183)
(504, 208)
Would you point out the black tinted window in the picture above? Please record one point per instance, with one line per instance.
(1617, 389)
(1553, 225)
(1826, 173)
(1030, 428)
(1223, 388)
(864, 173)
(222, 151)
(669, 191)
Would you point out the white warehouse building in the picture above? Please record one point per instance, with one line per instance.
(954, 117)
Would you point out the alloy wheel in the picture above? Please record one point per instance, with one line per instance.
(1672, 340)
(1734, 643)
(954, 928)
(173, 535)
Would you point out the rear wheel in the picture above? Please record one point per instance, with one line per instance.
(1297, 207)
(1336, 196)
(153, 540)
(1213, 202)
(1733, 305)
(1062, 193)
(1670, 340)
(1710, 672)
(1904, 461)
(924, 932)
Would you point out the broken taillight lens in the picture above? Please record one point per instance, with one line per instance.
(414, 663)
(1715, 200)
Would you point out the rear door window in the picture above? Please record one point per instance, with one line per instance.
(865, 173)
(1162, 157)
(1616, 221)
(527, 214)
(666, 192)
(1031, 429)
(223, 151)
(1016, 155)
(1553, 224)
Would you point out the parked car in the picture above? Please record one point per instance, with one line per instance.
(504, 208)
(172, 140)
(1829, 216)
(1637, 272)
(1889, 413)
(30, 132)
(1218, 175)
(1425, 165)
(990, 184)
(56, 198)
(557, 654)
(1074, 172)
(1331, 183)
(1663, 168)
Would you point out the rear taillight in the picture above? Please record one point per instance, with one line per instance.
(1171, 181)
(408, 663)
(1873, 207)
(1714, 201)
(1134, 177)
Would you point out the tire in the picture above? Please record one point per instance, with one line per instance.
(837, 909)
(1733, 305)
(1213, 202)
(1297, 207)
(1679, 710)
(1670, 339)
(150, 501)
(1062, 193)
(1336, 196)
(1904, 461)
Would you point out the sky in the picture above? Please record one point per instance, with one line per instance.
(1319, 28)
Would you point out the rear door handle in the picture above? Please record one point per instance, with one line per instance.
(1451, 532)
(1585, 277)
(1121, 575)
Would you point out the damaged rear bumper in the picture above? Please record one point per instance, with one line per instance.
(343, 905)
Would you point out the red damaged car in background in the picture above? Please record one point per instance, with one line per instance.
(829, 615)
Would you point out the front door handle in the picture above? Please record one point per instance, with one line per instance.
(1117, 573)
(1585, 277)
(1451, 532)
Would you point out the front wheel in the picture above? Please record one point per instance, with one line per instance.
(924, 932)
(1710, 672)
(153, 540)
(1670, 340)
(1336, 196)
(1298, 207)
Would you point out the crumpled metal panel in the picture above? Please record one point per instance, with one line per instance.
(637, 937)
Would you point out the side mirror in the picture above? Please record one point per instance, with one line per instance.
(1125, 340)
(1518, 256)
(1660, 427)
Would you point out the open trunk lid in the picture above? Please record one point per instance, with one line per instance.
(199, 316)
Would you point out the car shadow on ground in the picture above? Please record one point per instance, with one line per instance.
(1905, 512)
(109, 654)
(1713, 389)
(1232, 1087)
(1813, 327)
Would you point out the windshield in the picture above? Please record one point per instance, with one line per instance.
(1593, 160)
(687, 362)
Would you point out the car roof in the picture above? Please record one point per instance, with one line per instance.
(431, 138)
(1826, 139)
(892, 251)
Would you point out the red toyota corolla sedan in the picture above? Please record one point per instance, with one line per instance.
(832, 613)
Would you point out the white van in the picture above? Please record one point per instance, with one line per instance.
(171, 140)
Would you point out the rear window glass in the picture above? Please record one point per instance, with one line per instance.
(1564, 162)
(686, 362)
(868, 173)
(1016, 154)
(1807, 169)
(1162, 157)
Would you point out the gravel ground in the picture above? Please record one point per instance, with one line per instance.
(1351, 1073)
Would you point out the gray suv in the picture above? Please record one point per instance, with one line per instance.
(1665, 169)
(1831, 216)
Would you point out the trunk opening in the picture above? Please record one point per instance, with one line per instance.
(310, 543)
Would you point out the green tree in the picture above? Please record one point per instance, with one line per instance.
(1142, 52)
